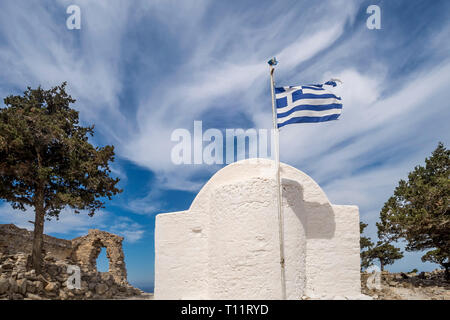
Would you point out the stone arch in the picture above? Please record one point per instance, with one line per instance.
(101, 258)
(87, 249)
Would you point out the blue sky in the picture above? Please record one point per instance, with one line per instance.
(140, 69)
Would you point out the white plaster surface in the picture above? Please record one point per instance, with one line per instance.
(226, 246)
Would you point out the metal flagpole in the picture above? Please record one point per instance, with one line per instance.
(272, 63)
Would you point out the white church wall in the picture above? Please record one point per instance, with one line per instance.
(333, 265)
(226, 246)
(181, 257)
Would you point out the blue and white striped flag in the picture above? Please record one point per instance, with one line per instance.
(306, 104)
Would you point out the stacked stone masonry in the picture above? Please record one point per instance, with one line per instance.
(19, 281)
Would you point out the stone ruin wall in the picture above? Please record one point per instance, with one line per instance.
(82, 251)
(14, 240)
(87, 248)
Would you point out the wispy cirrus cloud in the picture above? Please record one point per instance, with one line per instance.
(36, 48)
(94, 60)
(223, 80)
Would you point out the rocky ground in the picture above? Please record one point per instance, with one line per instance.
(18, 281)
(408, 286)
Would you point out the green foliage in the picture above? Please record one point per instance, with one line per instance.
(385, 253)
(437, 256)
(418, 212)
(43, 146)
(47, 161)
(365, 244)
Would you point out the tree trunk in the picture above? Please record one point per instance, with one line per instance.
(36, 256)
(447, 271)
(381, 265)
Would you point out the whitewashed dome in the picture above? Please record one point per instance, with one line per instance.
(250, 169)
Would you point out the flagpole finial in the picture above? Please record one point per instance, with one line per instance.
(272, 62)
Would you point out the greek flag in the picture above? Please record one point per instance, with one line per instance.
(306, 104)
